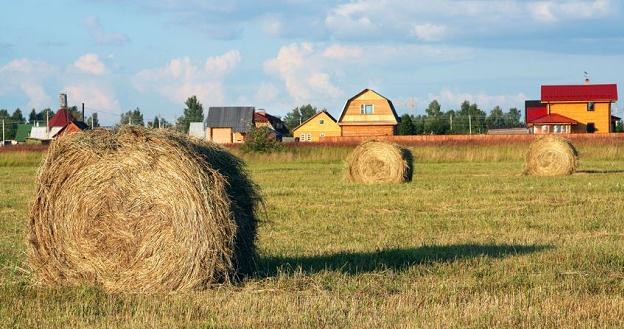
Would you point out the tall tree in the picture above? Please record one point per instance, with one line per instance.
(133, 117)
(32, 117)
(434, 109)
(298, 115)
(405, 127)
(17, 116)
(92, 121)
(512, 118)
(496, 119)
(194, 112)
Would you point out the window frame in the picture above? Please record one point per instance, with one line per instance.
(363, 109)
(322, 121)
(591, 106)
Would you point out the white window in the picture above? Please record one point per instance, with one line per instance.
(322, 135)
(321, 122)
(309, 137)
(367, 108)
(557, 129)
(302, 137)
(545, 129)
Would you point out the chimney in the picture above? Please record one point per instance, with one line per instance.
(586, 81)
(63, 101)
(83, 118)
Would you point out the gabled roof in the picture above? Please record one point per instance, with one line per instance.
(580, 93)
(61, 118)
(314, 116)
(554, 118)
(239, 118)
(344, 109)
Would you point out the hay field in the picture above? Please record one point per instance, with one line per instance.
(469, 243)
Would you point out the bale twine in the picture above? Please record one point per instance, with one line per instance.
(379, 162)
(551, 156)
(141, 211)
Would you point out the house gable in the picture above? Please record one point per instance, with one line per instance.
(370, 108)
(319, 125)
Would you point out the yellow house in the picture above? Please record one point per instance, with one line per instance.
(368, 114)
(577, 109)
(320, 125)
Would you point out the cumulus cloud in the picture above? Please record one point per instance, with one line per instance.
(300, 68)
(338, 51)
(95, 95)
(97, 32)
(90, 64)
(27, 76)
(182, 78)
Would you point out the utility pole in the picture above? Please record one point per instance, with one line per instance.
(47, 123)
(2, 132)
(91, 121)
(159, 121)
(83, 118)
(451, 122)
(470, 124)
(130, 119)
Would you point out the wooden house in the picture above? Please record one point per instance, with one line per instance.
(318, 126)
(229, 124)
(368, 114)
(263, 119)
(573, 109)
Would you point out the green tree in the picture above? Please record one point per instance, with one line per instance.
(92, 120)
(298, 115)
(512, 118)
(33, 116)
(75, 113)
(10, 126)
(261, 140)
(496, 119)
(434, 109)
(133, 117)
(405, 127)
(194, 112)
(17, 116)
(419, 124)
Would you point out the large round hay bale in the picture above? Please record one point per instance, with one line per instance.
(551, 156)
(141, 211)
(379, 162)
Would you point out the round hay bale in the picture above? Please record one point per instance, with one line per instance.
(379, 162)
(551, 156)
(141, 211)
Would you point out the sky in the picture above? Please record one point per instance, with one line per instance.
(116, 55)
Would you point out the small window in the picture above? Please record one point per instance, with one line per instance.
(545, 129)
(309, 137)
(367, 109)
(591, 106)
(302, 137)
(591, 127)
(321, 122)
(557, 129)
(322, 135)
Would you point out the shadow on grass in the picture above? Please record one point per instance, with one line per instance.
(395, 259)
(607, 171)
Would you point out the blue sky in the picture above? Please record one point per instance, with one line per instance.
(116, 55)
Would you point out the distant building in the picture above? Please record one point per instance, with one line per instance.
(61, 124)
(572, 109)
(318, 126)
(368, 114)
(263, 119)
(229, 124)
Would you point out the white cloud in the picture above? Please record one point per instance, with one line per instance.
(27, 76)
(94, 95)
(300, 67)
(266, 93)
(429, 32)
(343, 52)
(182, 78)
(95, 29)
(91, 64)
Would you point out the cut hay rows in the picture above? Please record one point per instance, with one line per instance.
(141, 211)
(379, 162)
(551, 156)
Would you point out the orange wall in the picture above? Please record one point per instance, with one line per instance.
(600, 116)
(372, 130)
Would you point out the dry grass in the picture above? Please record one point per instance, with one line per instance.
(468, 244)
(551, 156)
(140, 211)
(379, 162)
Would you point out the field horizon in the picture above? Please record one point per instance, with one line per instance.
(469, 243)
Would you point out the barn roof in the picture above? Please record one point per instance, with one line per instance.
(580, 93)
(344, 109)
(239, 118)
(61, 119)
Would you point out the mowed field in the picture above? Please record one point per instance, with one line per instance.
(470, 243)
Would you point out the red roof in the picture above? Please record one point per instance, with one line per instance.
(61, 119)
(554, 118)
(260, 117)
(580, 93)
